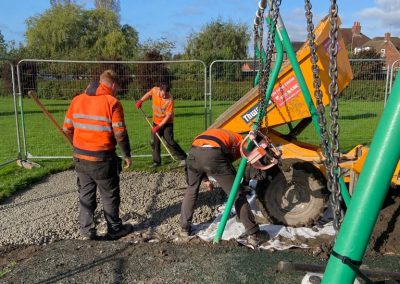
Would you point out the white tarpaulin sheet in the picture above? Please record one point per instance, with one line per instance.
(278, 233)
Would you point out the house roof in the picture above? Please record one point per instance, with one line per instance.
(394, 40)
(375, 44)
(358, 39)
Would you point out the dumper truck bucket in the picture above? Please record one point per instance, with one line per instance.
(287, 103)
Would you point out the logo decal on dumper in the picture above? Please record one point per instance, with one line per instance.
(252, 112)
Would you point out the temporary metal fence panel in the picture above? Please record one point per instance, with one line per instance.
(56, 82)
(10, 147)
(360, 105)
(394, 69)
(228, 80)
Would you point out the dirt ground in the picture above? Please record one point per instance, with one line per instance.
(141, 259)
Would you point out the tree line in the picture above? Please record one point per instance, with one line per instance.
(69, 31)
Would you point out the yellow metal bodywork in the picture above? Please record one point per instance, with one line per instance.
(287, 102)
(350, 163)
(288, 105)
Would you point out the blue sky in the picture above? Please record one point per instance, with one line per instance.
(176, 19)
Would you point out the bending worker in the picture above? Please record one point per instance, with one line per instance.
(163, 123)
(212, 153)
(95, 122)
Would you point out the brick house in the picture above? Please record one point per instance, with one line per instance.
(387, 46)
(249, 67)
(353, 38)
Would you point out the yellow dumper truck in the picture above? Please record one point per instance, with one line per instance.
(296, 194)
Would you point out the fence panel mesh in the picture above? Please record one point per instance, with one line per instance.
(9, 150)
(360, 105)
(55, 83)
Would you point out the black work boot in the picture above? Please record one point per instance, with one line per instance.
(258, 238)
(90, 235)
(185, 232)
(122, 232)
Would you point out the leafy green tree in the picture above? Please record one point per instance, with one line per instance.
(218, 40)
(163, 46)
(368, 69)
(3, 46)
(112, 5)
(132, 38)
(149, 75)
(61, 2)
(70, 32)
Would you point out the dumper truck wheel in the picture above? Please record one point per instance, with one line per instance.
(296, 196)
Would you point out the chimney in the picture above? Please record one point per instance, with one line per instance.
(387, 37)
(356, 29)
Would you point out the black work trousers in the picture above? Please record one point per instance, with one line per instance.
(203, 161)
(103, 175)
(166, 132)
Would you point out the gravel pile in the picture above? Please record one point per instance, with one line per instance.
(48, 211)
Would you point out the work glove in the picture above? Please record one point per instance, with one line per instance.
(155, 129)
(138, 104)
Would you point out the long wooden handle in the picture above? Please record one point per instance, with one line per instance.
(158, 136)
(49, 116)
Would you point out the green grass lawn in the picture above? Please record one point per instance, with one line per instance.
(358, 120)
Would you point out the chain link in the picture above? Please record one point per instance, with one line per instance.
(330, 148)
(335, 172)
(265, 67)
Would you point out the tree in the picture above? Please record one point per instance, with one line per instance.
(152, 74)
(112, 5)
(3, 46)
(131, 38)
(163, 46)
(69, 32)
(368, 70)
(61, 2)
(218, 40)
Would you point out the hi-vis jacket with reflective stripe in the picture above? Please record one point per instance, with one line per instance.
(161, 106)
(227, 140)
(96, 123)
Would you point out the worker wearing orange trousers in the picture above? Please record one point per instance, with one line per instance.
(95, 123)
(212, 154)
(163, 122)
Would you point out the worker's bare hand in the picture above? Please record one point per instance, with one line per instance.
(209, 185)
(127, 163)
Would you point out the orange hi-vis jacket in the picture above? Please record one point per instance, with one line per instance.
(161, 107)
(96, 123)
(227, 140)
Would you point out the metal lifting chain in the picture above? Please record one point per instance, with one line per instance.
(335, 172)
(265, 67)
(320, 106)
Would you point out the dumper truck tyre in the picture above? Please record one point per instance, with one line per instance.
(296, 196)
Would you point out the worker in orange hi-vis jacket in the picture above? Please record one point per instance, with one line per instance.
(212, 154)
(163, 123)
(95, 123)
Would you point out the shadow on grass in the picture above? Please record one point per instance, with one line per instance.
(358, 116)
(113, 257)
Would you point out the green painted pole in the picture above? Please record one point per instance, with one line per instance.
(370, 192)
(306, 93)
(243, 161)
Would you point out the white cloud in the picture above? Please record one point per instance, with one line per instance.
(385, 15)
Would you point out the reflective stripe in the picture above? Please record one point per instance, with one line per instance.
(162, 109)
(92, 127)
(118, 124)
(156, 108)
(67, 120)
(231, 138)
(166, 104)
(92, 117)
(159, 115)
